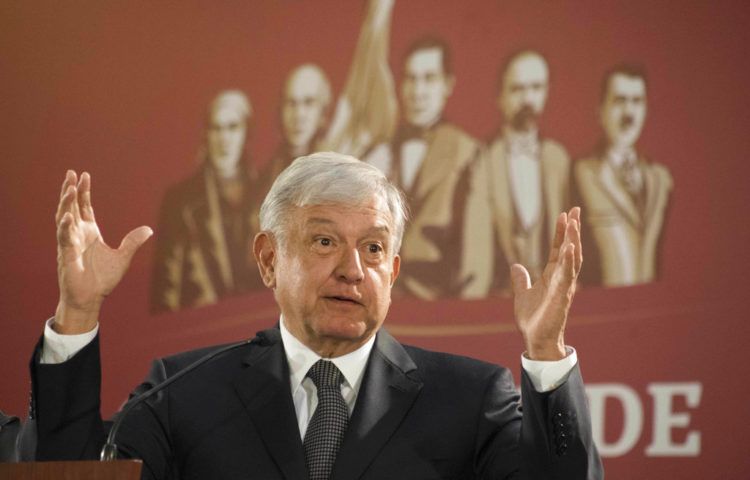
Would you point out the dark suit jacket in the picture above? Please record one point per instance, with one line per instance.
(419, 414)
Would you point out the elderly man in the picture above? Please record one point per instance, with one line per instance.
(527, 175)
(328, 393)
(626, 194)
(432, 161)
(205, 220)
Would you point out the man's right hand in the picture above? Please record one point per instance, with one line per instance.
(87, 269)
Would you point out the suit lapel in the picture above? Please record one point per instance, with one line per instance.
(617, 194)
(388, 391)
(439, 160)
(552, 193)
(264, 390)
(502, 202)
(214, 229)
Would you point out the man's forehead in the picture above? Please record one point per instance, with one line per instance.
(424, 60)
(226, 114)
(375, 210)
(527, 69)
(621, 84)
(304, 83)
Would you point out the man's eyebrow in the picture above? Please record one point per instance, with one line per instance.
(319, 220)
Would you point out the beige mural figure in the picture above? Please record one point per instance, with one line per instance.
(528, 176)
(365, 113)
(432, 161)
(625, 195)
(206, 220)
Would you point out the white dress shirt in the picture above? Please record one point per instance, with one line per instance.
(525, 176)
(304, 393)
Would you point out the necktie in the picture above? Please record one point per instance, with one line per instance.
(328, 424)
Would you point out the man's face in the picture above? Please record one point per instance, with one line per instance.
(425, 87)
(624, 110)
(524, 92)
(226, 139)
(303, 109)
(333, 275)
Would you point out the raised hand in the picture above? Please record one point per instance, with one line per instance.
(87, 268)
(541, 309)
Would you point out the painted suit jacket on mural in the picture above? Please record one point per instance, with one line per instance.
(202, 251)
(436, 234)
(625, 236)
(501, 240)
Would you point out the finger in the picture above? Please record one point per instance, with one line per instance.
(133, 241)
(569, 263)
(519, 278)
(70, 179)
(554, 252)
(84, 197)
(575, 214)
(66, 204)
(576, 239)
(64, 230)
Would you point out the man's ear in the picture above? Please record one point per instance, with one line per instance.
(396, 268)
(264, 249)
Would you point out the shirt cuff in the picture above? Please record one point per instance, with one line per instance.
(58, 348)
(546, 376)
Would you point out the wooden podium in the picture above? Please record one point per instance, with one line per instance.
(89, 470)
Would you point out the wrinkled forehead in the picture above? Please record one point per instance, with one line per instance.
(621, 85)
(375, 207)
(527, 69)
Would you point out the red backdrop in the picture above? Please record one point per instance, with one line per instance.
(120, 91)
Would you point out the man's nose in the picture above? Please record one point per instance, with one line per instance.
(350, 268)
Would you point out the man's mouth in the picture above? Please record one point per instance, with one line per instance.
(344, 299)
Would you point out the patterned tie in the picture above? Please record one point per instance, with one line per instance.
(328, 424)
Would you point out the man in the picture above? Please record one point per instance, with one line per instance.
(432, 161)
(365, 113)
(304, 115)
(205, 220)
(528, 176)
(331, 231)
(626, 195)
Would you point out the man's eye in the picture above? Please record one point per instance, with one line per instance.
(374, 248)
(325, 242)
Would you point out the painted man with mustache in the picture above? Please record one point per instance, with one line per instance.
(625, 195)
(527, 177)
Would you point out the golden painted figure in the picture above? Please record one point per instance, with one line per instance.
(432, 161)
(364, 114)
(206, 220)
(527, 175)
(625, 195)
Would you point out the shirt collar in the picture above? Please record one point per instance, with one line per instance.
(620, 158)
(300, 358)
(522, 143)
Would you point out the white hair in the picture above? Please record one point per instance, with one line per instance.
(329, 178)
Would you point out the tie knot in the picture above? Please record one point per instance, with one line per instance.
(325, 374)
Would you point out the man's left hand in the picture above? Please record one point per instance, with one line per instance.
(541, 309)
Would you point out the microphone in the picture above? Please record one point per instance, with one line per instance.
(109, 450)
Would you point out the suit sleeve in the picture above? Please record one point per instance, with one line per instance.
(556, 440)
(65, 422)
(548, 438)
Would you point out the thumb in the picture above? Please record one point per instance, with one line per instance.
(133, 241)
(519, 278)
